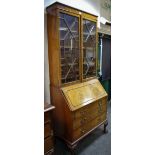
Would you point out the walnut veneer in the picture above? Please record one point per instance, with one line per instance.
(79, 98)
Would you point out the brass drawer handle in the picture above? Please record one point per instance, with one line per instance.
(83, 121)
(100, 108)
(83, 131)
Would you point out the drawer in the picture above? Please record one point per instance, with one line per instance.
(87, 110)
(87, 118)
(47, 116)
(48, 144)
(87, 127)
(47, 129)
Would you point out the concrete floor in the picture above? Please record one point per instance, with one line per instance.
(95, 143)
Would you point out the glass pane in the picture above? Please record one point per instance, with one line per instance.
(69, 45)
(89, 49)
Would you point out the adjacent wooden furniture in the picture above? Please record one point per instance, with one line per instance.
(48, 130)
(79, 98)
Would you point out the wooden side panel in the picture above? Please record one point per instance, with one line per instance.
(58, 114)
(62, 115)
(53, 47)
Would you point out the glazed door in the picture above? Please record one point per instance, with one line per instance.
(89, 48)
(69, 47)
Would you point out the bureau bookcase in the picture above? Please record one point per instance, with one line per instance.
(79, 99)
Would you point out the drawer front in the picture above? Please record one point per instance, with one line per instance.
(48, 144)
(100, 104)
(47, 116)
(82, 121)
(82, 117)
(87, 127)
(47, 129)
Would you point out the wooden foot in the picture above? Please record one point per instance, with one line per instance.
(72, 148)
(72, 152)
(105, 127)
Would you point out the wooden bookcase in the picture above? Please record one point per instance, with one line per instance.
(74, 87)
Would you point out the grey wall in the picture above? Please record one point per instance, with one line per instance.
(46, 66)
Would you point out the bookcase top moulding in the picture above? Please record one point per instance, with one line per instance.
(61, 6)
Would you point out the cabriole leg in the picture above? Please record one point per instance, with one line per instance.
(72, 148)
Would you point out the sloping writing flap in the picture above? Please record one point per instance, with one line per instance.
(81, 94)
